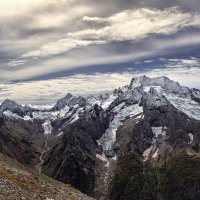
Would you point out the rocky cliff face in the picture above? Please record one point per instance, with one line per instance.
(139, 142)
(17, 142)
(158, 156)
(72, 159)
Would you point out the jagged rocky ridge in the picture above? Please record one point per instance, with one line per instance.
(140, 142)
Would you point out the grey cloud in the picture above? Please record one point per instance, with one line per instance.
(107, 7)
(38, 92)
(128, 25)
(95, 55)
(33, 38)
(22, 24)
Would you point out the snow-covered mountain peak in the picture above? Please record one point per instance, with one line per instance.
(156, 92)
(61, 103)
(136, 81)
(144, 80)
(70, 101)
(152, 92)
(169, 86)
(9, 105)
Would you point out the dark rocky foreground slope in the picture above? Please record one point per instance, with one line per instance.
(140, 142)
(18, 182)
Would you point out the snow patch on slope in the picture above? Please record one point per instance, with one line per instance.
(10, 114)
(59, 134)
(94, 100)
(122, 112)
(47, 127)
(186, 105)
(157, 88)
(191, 137)
(101, 157)
(41, 107)
(75, 116)
(158, 131)
(66, 112)
(105, 104)
(158, 143)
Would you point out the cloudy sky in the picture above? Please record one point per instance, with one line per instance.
(51, 47)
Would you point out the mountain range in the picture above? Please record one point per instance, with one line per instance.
(140, 142)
